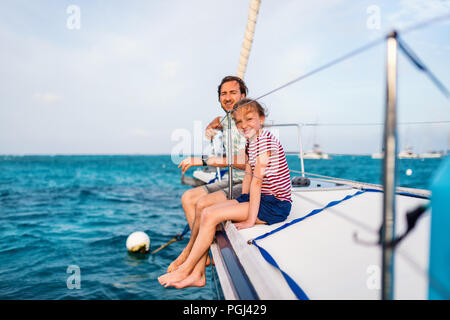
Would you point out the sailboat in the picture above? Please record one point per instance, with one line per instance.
(407, 153)
(341, 237)
(315, 153)
(432, 155)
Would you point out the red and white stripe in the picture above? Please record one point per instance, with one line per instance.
(277, 180)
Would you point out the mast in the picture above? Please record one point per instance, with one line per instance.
(389, 171)
(248, 37)
(245, 53)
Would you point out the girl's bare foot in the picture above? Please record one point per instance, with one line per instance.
(193, 280)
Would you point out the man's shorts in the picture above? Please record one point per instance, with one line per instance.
(223, 185)
(271, 210)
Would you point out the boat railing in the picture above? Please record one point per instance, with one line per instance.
(299, 130)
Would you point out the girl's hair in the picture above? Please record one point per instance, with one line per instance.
(250, 105)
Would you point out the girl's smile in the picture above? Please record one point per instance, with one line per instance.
(248, 122)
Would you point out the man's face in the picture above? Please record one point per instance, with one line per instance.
(230, 94)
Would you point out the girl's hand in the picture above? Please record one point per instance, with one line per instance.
(190, 162)
(243, 225)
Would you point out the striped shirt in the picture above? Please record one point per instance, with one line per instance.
(277, 180)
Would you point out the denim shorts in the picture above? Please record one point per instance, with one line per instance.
(271, 209)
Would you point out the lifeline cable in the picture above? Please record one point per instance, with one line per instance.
(350, 54)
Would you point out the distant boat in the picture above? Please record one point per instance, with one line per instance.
(315, 153)
(407, 154)
(431, 154)
(378, 155)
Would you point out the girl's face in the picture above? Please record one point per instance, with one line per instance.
(248, 122)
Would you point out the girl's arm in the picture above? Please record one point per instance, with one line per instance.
(247, 179)
(262, 162)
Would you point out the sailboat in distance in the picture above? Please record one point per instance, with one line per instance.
(407, 153)
(316, 153)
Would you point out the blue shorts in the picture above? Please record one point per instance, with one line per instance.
(271, 210)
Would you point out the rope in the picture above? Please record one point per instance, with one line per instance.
(355, 52)
(178, 237)
(421, 66)
(248, 37)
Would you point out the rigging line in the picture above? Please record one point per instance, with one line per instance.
(339, 179)
(372, 124)
(417, 192)
(325, 66)
(357, 51)
(425, 23)
(421, 66)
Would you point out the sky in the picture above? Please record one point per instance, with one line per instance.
(131, 77)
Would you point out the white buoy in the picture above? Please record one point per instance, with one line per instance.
(138, 242)
(408, 172)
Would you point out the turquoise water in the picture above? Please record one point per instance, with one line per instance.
(61, 211)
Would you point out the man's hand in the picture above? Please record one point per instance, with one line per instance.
(210, 133)
(212, 128)
(190, 162)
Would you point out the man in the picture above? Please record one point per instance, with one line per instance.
(231, 90)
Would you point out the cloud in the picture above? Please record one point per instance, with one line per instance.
(46, 97)
(412, 11)
(140, 132)
(170, 69)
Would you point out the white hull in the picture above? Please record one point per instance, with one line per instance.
(431, 155)
(315, 156)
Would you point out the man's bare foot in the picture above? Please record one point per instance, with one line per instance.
(193, 280)
(178, 261)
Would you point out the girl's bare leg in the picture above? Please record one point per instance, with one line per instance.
(210, 218)
(216, 198)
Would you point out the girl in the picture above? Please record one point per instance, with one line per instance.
(265, 199)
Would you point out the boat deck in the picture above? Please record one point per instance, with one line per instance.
(321, 252)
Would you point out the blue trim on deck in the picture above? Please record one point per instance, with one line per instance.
(299, 293)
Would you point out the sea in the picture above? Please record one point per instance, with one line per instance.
(65, 219)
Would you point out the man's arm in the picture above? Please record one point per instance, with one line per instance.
(238, 161)
(212, 127)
